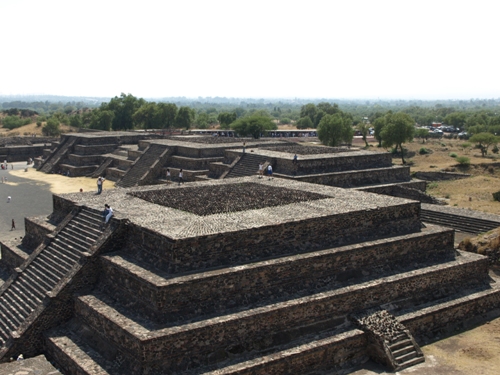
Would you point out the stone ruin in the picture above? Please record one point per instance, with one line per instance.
(286, 277)
(138, 159)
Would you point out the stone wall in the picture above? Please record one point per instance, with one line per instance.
(94, 149)
(440, 176)
(36, 229)
(21, 153)
(262, 242)
(191, 163)
(267, 325)
(358, 178)
(337, 163)
(283, 277)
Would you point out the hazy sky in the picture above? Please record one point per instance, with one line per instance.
(238, 48)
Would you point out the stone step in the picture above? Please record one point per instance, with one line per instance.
(171, 298)
(404, 350)
(81, 230)
(30, 296)
(406, 356)
(71, 245)
(441, 316)
(310, 313)
(52, 254)
(17, 301)
(6, 320)
(411, 362)
(4, 334)
(45, 265)
(65, 256)
(399, 345)
(58, 264)
(91, 222)
(41, 281)
(49, 280)
(74, 356)
(10, 312)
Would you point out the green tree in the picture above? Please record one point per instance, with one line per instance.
(457, 119)
(399, 129)
(202, 120)
(364, 129)
(166, 113)
(51, 128)
(484, 141)
(146, 116)
(333, 130)
(102, 120)
(226, 119)
(253, 125)
(12, 122)
(124, 108)
(76, 121)
(422, 133)
(184, 117)
(378, 125)
(309, 110)
(305, 123)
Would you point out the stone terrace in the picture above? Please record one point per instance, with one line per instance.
(264, 286)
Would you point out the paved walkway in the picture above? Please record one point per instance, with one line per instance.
(28, 198)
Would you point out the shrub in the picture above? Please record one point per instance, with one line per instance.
(495, 149)
(491, 169)
(463, 160)
(432, 185)
(38, 123)
(423, 151)
(496, 196)
(12, 122)
(453, 155)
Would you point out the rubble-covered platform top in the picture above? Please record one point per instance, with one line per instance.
(218, 206)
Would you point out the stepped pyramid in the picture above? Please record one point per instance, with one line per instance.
(257, 276)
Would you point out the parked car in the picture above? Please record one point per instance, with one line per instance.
(463, 135)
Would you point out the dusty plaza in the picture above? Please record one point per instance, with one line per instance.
(331, 264)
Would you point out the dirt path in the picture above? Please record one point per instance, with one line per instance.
(61, 184)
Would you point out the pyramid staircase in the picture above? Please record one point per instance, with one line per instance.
(143, 165)
(460, 220)
(100, 171)
(390, 342)
(58, 154)
(27, 296)
(248, 165)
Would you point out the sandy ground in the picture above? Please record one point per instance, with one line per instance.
(61, 184)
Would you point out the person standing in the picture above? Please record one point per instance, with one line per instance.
(100, 181)
(270, 171)
(13, 225)
(244, 146)
(261, 169)
(181, 174)
(169, 177)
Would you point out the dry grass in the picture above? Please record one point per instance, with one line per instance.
(30, 129)
(474, 192)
